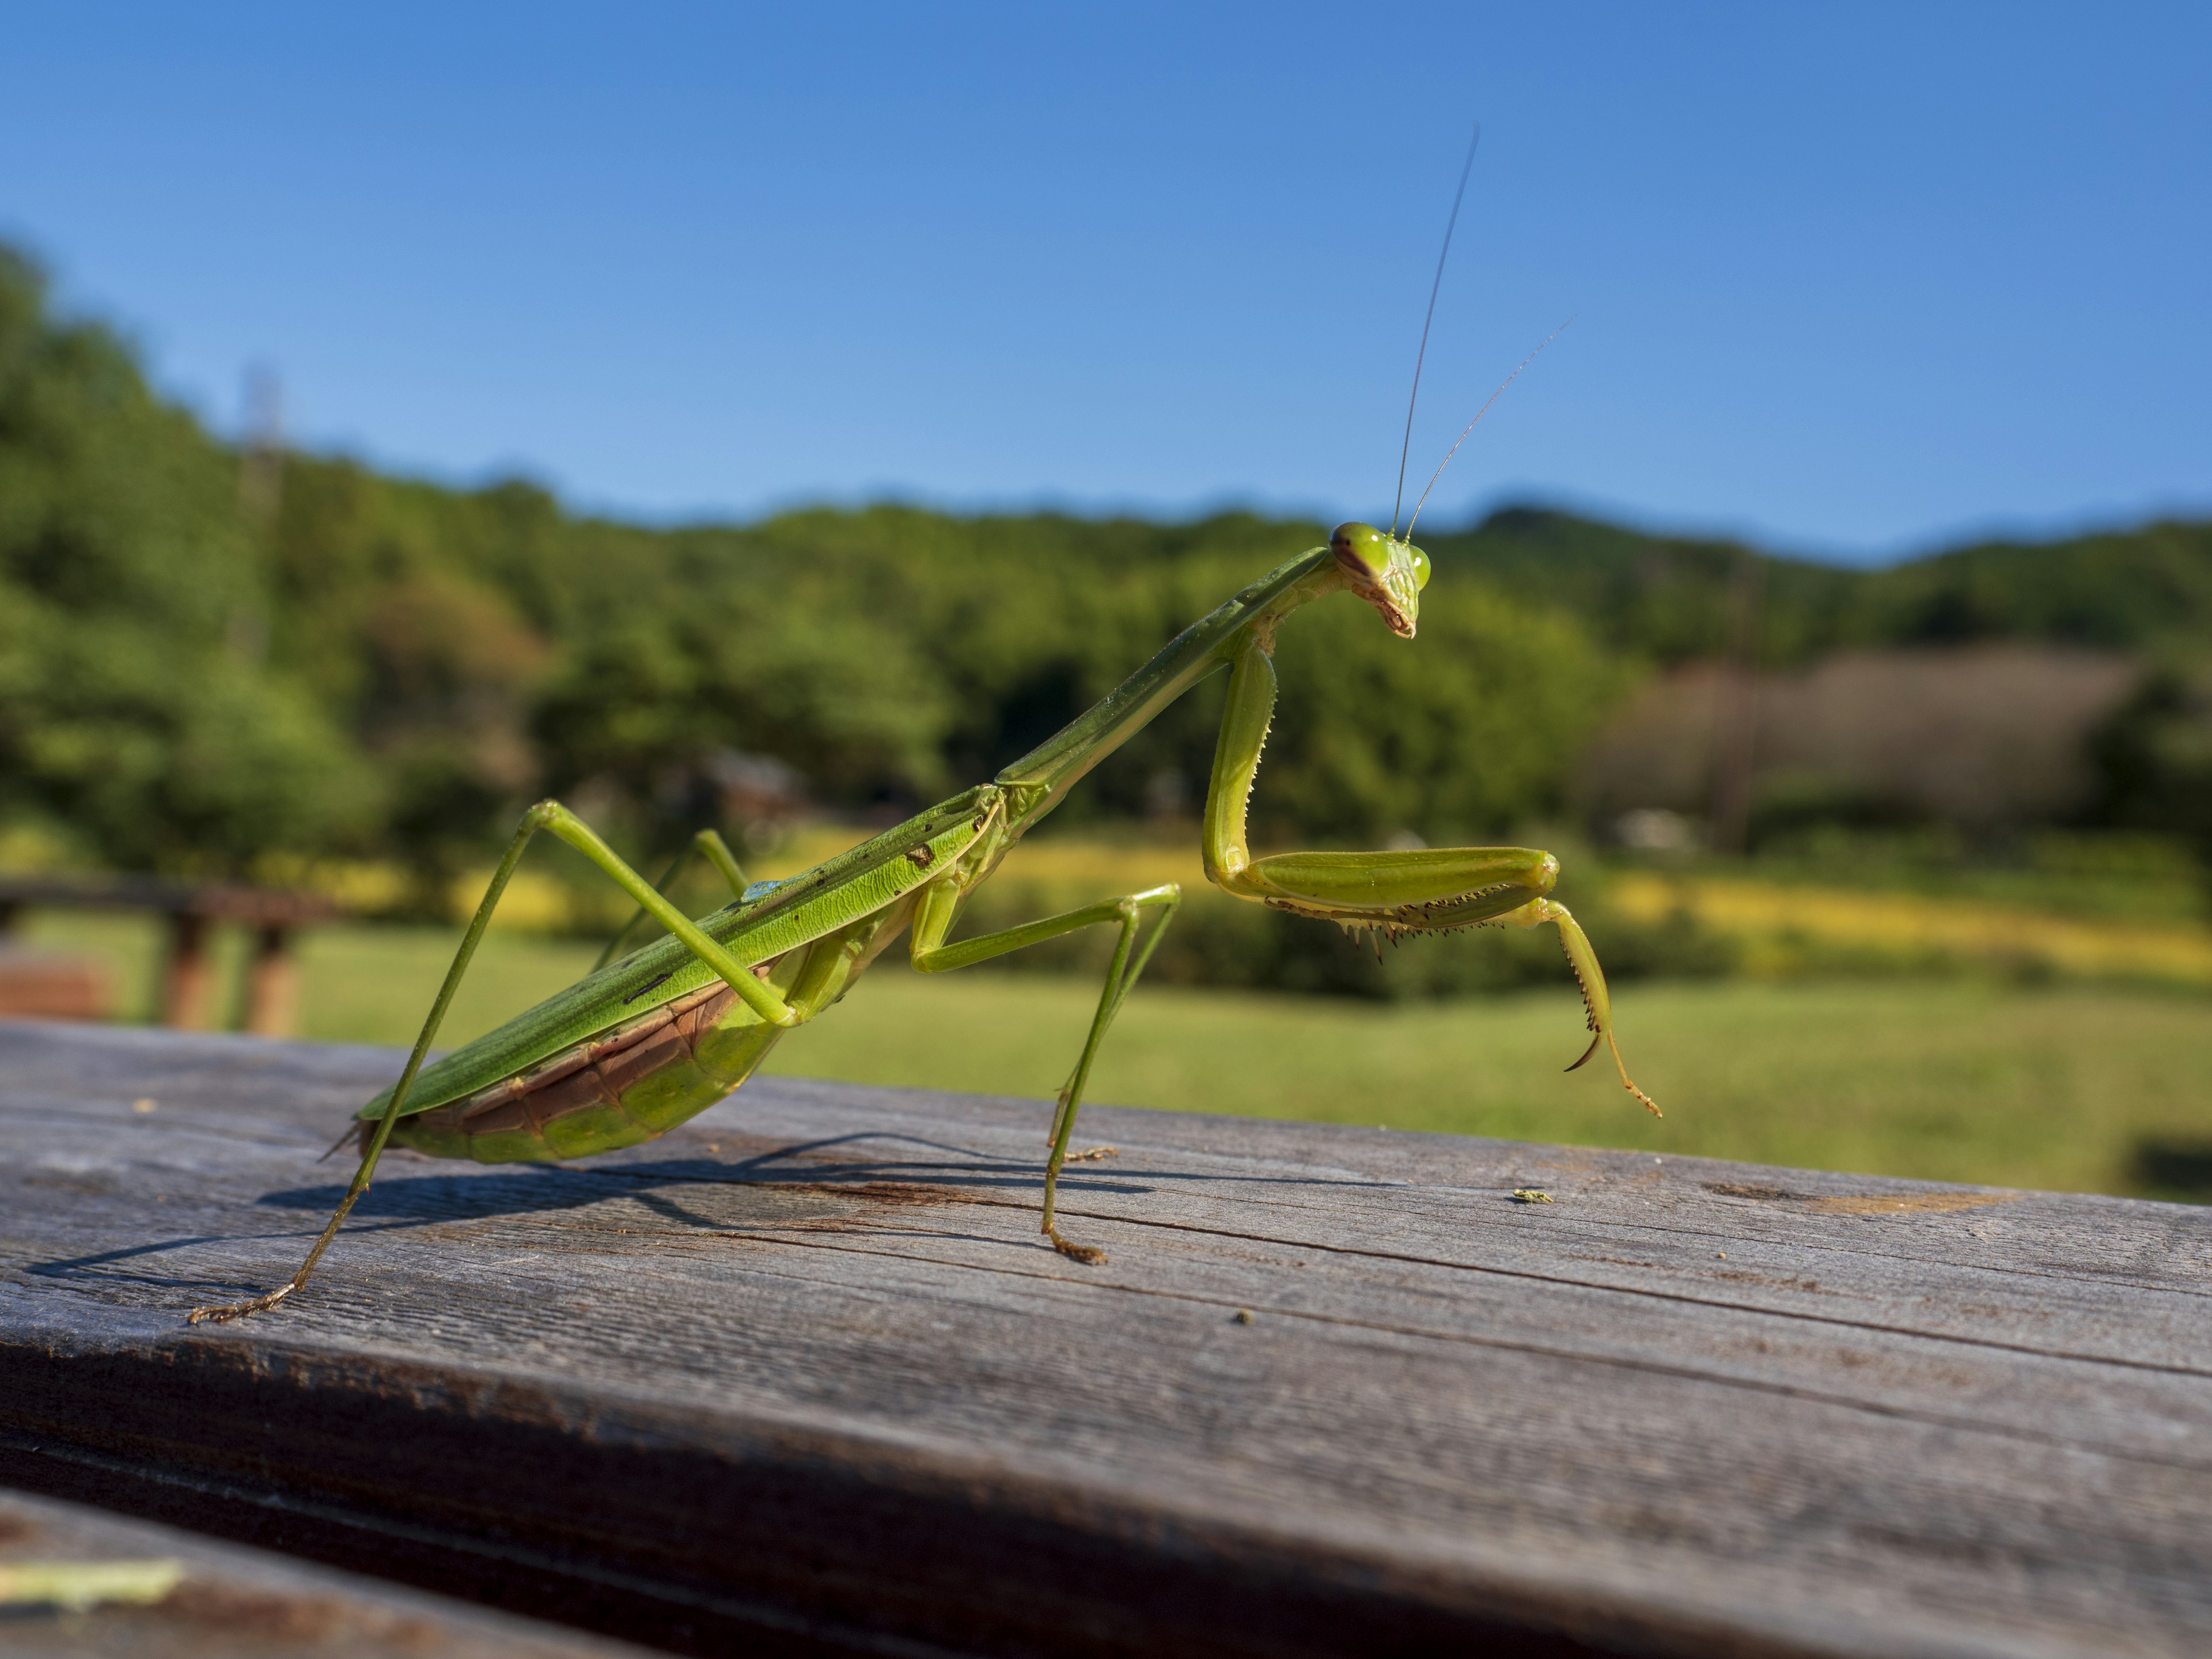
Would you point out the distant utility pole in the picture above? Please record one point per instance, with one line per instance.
(261, 463)
(1735, 710)
(260, 492)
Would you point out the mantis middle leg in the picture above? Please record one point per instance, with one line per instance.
(546, 814)
(931, 955)
(1433, 890)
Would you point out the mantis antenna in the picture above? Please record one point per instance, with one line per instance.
(1470, 427)
(1450, 225)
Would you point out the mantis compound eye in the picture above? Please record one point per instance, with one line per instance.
(1362, 542)
(1420, 563)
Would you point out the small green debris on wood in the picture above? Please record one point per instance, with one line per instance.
(1243, 1316)
(1531, 1195)
(76, 1586)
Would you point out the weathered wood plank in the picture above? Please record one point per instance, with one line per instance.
(232, 1601)
(804, 1367)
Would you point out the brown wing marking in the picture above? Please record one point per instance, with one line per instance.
(617, 1089)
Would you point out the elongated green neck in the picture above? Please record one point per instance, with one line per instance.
(1039, 779)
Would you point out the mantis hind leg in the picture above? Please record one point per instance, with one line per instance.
(546, 814)
(708, 845)
(931, 957)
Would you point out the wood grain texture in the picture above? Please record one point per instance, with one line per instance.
(802, 1377)
(233, 1602)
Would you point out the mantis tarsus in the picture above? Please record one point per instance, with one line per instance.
(644, 1043)
(649, 1040)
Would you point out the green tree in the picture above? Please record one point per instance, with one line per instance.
(132, 708)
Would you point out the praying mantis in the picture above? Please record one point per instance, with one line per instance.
(654, 1038)
(649, 1040)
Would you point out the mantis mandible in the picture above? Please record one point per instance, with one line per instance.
(647, 1042)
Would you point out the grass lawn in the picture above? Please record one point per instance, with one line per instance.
(1955, 1079)
(1946, 1080)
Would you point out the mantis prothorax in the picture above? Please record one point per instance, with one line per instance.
(650, 1040)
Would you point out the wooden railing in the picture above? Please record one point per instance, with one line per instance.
(802, 1376)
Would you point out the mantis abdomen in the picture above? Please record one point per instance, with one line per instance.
(638, 1081)
(645, 1076)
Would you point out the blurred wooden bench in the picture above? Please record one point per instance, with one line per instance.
(801, 1378)
(54, 984)
(272, 997)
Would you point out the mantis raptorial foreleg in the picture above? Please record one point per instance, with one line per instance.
(931, 956)
(546, 814)
(707, 845)
(1430, 889)
(1597, 1003)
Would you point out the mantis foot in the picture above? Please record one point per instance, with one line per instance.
(224, 1316)
(1091, 1153)
(1089, 1255)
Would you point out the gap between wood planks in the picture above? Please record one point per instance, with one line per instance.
(442, 1541)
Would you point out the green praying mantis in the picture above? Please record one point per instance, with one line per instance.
(650, 1040)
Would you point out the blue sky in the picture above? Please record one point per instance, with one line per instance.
(1855, 280)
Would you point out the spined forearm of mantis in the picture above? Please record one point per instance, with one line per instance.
(649, 1040)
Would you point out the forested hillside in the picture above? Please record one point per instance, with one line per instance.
(2146, 590)
(196, 672)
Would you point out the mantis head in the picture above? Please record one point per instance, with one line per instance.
(1386, 573)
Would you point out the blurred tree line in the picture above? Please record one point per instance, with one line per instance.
(195, 675)
(367, 665)
(2144, 594)
(2147, 591)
